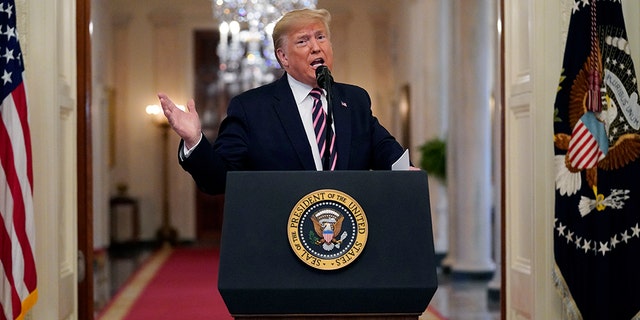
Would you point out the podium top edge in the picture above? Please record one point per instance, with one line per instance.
(337, 172)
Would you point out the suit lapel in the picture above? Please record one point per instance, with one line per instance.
(342, 123)
(287, 109)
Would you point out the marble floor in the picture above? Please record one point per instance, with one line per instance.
(455, 299)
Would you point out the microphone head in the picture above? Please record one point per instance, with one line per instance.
(323, 76)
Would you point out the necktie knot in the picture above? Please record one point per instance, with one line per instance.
(316, 93)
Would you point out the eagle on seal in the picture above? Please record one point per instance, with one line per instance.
(327, 230)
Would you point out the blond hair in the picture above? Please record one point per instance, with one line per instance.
(294, 19)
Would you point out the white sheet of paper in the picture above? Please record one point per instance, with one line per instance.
(402, 163)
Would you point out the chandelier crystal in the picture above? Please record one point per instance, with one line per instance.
(246, 52)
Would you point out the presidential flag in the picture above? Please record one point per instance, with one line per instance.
(597, 186)
(18, 291)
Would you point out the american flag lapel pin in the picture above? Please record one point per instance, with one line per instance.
(344, 104)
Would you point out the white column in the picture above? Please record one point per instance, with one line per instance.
(469, 167)
(497, 110)
(437, 95)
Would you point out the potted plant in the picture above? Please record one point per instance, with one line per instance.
(434, 158)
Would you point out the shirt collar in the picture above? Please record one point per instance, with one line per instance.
(299, 89)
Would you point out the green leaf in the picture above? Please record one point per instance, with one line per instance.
(434, 158)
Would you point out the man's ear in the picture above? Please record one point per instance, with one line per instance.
(282, 57)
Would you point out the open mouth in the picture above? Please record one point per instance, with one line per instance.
(317, 62)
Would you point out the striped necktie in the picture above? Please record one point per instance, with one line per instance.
(319, 125)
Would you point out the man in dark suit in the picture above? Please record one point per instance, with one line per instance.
(272, 127)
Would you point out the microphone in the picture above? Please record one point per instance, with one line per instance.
(323, 77)
(324, 80)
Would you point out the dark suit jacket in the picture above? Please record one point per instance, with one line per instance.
(263, 131)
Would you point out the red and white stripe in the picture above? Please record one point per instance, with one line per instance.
(333, 155)
(584, 152)
(18, 281)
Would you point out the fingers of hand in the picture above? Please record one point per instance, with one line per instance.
(167, 105)
(191, 105)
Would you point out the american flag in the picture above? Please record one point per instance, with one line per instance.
(18, 272)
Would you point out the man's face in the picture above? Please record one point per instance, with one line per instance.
(305, 48)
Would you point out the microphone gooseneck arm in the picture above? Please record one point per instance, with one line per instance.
(325, 81)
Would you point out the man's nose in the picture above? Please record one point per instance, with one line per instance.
(315, 46)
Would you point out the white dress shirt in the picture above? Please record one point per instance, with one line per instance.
(305, 106)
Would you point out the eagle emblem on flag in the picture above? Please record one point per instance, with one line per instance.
(597, 150)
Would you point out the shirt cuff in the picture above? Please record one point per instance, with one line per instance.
(186, 152)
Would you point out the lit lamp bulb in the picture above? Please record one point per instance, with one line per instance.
(234, 28)
(224, 30)
(224, 33)
(155, 111)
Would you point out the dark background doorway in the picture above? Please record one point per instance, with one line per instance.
(211, 101)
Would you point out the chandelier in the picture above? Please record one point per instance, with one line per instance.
(246, 52)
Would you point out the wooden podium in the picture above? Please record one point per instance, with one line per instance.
(262, 277)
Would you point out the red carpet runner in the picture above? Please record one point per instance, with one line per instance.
(184, 285)
(180, 283)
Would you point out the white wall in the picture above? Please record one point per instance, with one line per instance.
(47, 35)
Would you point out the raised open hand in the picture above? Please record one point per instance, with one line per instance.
(185, 123)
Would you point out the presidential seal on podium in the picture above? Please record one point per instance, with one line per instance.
(327, 229)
